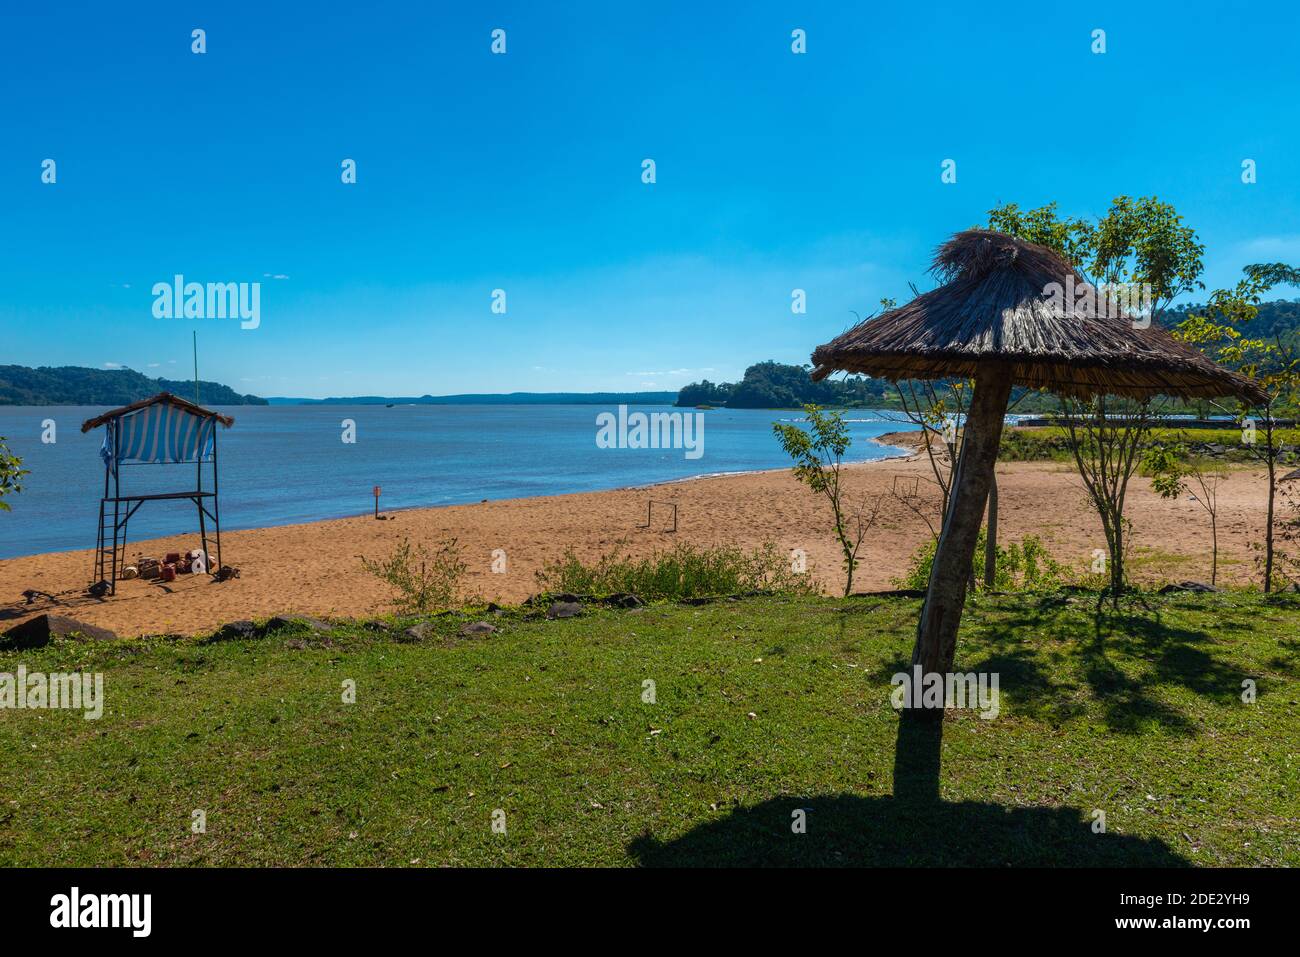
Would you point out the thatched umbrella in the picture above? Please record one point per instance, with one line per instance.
(1003, 317)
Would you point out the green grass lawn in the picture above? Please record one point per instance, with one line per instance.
(763, 707)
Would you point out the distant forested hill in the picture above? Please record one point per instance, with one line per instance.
(1280, 318)
(73, 385)
(774, 385)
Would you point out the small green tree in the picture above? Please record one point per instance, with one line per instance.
(1140, 244)
(1170, 468)
(1273, 364)
(818, 453)
(11, 474)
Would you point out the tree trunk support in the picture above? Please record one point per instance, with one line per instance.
(936, 634)
(991, 538)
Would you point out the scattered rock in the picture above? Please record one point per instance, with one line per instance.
(1187, 586)
(41, 630)
(624, 601)
(419, 631)
(298, 621)
(475, 628)
(564, 609)
(235, 630)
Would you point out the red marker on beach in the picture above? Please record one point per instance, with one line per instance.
(376, 501)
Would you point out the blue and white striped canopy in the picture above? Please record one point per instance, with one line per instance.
(158, 433)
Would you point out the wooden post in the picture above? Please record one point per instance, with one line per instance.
(936, 633)
(991, 538)
(376, 501)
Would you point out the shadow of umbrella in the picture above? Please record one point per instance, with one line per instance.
(911, 829)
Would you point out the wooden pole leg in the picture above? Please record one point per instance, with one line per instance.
(936, 634)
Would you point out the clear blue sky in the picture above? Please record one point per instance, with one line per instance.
(523, 172)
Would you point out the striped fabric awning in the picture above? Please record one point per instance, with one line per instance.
(158, 433)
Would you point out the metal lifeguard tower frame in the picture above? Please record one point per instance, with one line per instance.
(163, 430)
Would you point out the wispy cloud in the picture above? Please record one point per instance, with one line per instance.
(672, 372)
(1285, 247)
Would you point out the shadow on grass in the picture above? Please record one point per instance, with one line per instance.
(1102, 639)
(911, 829)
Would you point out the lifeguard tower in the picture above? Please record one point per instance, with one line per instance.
(163, 430)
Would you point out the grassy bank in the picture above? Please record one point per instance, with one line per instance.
(762, 707)
(1051, 443)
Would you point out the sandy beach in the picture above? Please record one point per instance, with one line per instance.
(315, 568)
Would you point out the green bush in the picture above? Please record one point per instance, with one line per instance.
(422, 581)
(1023, 566)
(685, 571)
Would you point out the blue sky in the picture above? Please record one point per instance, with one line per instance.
(522, 172)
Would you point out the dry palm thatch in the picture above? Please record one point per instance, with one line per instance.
(996, 308)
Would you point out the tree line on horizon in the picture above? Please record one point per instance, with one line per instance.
(778, 385)
(75, 385)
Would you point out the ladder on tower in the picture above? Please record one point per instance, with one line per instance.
(106, 548)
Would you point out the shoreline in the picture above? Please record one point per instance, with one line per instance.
(313, 567)
(903, 453)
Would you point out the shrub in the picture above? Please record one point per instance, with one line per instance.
(423, 581)
(685, 571)
(1024, 566)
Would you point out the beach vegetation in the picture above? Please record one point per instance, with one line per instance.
(1174, 473)
(1018, 566)
(682, 572)
(818, 454)
(422, 580)
(11, 474)
(1105, 438)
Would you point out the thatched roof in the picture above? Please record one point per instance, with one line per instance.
(161, 397)
(994, 307)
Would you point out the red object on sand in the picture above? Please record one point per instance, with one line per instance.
(172, 558)
(168, 572)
